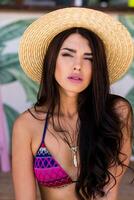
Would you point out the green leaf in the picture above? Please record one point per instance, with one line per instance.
(128, 21)
(10, 71)
(2, 46)
(8, 61)
(131, 70)
(13, 30)
(11, 115)
(6, 77)
(29, 86)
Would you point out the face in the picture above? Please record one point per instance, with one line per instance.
(74, 65)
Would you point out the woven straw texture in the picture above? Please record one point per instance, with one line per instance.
(118, 43)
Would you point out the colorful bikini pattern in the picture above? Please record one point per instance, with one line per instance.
(47, 170)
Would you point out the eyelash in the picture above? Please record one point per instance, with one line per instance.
(91, 59)
(66, 54)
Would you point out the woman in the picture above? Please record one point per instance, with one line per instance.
(76, 139)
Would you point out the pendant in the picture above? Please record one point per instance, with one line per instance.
(74, 151)
(75, 161)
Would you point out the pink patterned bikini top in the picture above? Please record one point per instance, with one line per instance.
(47, 170)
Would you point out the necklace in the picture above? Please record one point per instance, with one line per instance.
(74, 150)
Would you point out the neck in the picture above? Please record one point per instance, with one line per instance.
(68, 105)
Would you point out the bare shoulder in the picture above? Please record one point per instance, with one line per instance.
(30, 116)
(22, 157)
(23, 121)
(22, 127)
(123, 107)
(124, 111)
(26, 123)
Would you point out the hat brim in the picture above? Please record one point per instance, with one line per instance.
(37, 37)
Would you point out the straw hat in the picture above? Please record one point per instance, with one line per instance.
(37, 37)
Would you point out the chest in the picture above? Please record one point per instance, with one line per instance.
(59, 150)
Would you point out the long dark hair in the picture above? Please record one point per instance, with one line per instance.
(99, 133)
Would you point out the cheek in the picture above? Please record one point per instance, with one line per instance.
(60, 72)
(88, 72)
(58, 68)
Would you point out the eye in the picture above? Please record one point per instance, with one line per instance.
(90, 59)
(66, 54)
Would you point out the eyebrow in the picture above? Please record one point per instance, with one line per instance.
(74, 51)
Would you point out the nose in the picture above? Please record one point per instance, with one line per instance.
(77, 66)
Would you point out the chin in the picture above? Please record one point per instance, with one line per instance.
(74, 91)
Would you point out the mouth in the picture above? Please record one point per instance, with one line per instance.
(75, 79)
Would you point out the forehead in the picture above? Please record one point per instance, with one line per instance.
(75, 40)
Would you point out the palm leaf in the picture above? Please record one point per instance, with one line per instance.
(6, 77)
(131, 70)
(13, 30)
(8, 61)
(29, 86)
(128, 21)
(2, 46)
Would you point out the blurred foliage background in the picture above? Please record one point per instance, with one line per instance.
(70, 2)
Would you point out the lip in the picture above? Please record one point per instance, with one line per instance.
(75, 81)
(75, 78)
